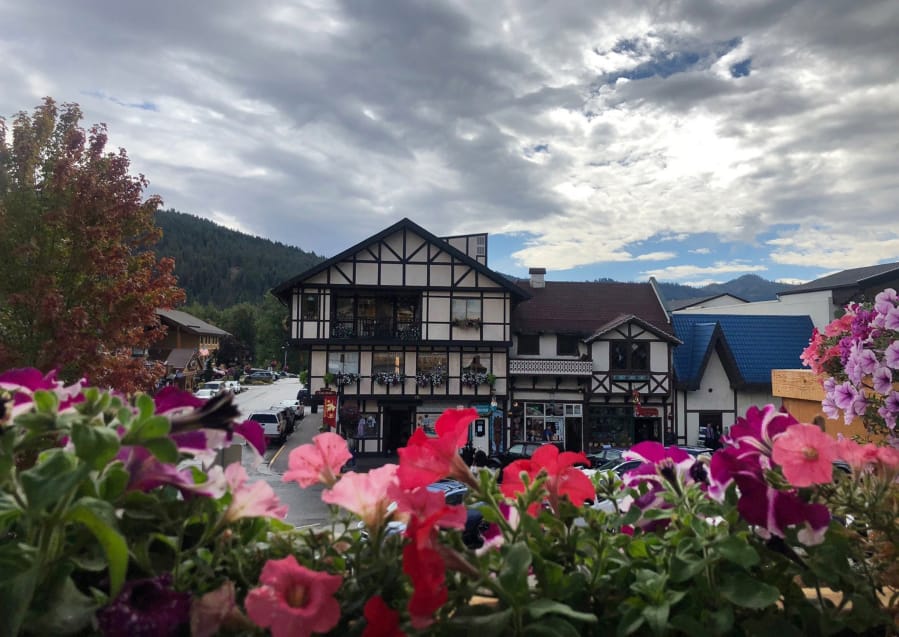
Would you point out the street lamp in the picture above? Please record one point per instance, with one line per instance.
(490, 443)
(284, 365)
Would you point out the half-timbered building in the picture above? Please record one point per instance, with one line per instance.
(404, 325)
(590, 364)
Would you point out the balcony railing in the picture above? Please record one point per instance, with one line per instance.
(550, 367)
(376, 329)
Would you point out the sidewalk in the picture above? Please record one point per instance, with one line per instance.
(309, 427)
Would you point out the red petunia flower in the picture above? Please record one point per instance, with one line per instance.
(293, 600)
(562, 477)
(426, 569)
(381, 620)
(425, 460)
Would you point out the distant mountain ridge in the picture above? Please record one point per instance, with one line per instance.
(749, 287)
(222, 267)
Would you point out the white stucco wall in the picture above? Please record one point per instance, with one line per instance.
(817, 305)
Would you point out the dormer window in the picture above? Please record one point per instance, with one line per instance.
(629, 355)
(528, 344)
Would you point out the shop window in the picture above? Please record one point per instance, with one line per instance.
(428, 363)
(528, 344)
(310, 307)
(566, 345)
(629, 355)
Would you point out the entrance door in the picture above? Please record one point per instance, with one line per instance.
(710, 429)
(646, 429)
(397, 428)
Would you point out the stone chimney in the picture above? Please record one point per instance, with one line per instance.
(537, 275)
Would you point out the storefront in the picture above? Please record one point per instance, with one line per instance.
(551, 421)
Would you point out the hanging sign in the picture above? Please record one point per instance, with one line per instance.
(329, 415)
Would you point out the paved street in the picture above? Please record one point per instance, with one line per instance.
(304, 505)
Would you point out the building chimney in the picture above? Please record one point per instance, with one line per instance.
(537, 275)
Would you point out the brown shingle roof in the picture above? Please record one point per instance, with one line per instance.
(583, 307)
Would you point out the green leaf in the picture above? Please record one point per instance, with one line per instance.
(738, 551)
(164, 449)
(95, 445)
(631, 619)
(9, 510)
(65, 612)
(99, 518)
(540, 607)
(488, 624)
(145, 406)
(686, 567)
(513, 576)
(15, 598)
(45, 401)
(153, 427)
(113, 483)
(657, 618)
(15, 559)
(743, 590)
(637, 549)
(550, 627)
(51, 479)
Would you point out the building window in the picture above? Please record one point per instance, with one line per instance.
(466, 311)
(566, 345)
(310, 307)
(387, 363)
(629, 355)
(343, 362)
(529, 344)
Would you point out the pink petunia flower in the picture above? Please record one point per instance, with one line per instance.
(293, 600)
(427, 511)
(425, 460)
(365, 494)
(256, 500)
(855, 455)
(562, 477)
(806, 455)
(320, 461)
(146, 472)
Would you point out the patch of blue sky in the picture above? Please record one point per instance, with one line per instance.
(741, 69)
(665, 63)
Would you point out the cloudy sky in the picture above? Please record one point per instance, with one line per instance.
(693, 141)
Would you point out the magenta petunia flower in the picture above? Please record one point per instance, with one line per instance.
(806, 455)
(22, 383)
(171, 399)
(146, 472)
(146, 607)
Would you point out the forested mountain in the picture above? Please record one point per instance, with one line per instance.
(748, 287)
(222, 267)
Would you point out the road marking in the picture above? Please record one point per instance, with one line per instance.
(275, 457)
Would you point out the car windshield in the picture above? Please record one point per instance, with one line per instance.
(517, 449)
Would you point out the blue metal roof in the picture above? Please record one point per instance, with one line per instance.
(757, 344)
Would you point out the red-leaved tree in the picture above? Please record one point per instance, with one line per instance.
(79, 282)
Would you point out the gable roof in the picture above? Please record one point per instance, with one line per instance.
(630, 318)
(190, 323)
(584, 307)
(854, 277)
(282, 290)
(749, 346)
(680, 304)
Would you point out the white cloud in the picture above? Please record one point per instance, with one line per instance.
(678, 272)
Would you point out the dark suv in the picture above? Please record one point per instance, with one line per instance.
(518, 451)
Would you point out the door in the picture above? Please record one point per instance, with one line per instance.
(710, 429)
(397, 428)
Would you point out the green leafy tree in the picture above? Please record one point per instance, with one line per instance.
(271, 330)
(80, 282)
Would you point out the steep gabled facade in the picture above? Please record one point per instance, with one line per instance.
(590, 364)
(725, 365)
(405, 325)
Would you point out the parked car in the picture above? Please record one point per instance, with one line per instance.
(295, 406)
(215, 385)
(605, 456)
(274, 425)
(233, 386)
(205, 393)
(260, 377)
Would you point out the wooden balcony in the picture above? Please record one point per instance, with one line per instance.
(381, 329)
(550, 367)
